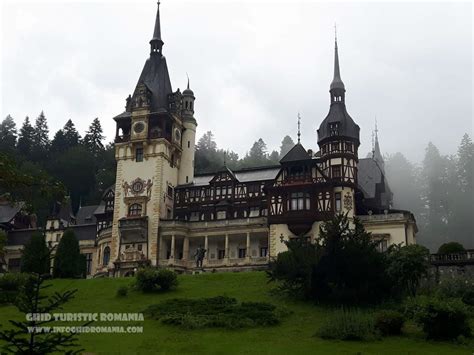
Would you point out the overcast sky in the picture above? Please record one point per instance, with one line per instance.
(253, 66)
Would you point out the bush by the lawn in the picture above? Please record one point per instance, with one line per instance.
(451, 247)
(10, 285)
(215, 312)
(389, 322)
(122, 291)
(440, 318)
(457, 287)
(349, 324)
(150, 279)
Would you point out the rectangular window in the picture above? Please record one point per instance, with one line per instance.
(336, 171)
(221, 254)
(242, 253)
(138, 154)
(194, 216)
(299, 201)
(189, 144)
(221, 215)
(254, 212)
(170, 192)
(337, 197)
(263, 252)
(382, 245)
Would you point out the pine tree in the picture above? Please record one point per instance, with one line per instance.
(25, 138)
(35, 255)
(41, 133)
(286, 145)
(94, 137)
(17, 339)
(71, 136)
(68, 261)
(8, 134)
(59, 143)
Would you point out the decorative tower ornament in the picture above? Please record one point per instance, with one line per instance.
(299, 131)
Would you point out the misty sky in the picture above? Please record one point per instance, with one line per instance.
(253, 66)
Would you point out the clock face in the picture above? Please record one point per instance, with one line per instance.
(139, 127)
(177, 135)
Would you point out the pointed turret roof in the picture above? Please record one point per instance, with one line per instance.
(156, 42)
(338, 117)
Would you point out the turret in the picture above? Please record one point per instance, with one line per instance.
(186, 168)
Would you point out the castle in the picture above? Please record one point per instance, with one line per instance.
(159, 212)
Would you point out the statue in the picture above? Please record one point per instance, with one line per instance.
(126, 188)
(148, 185)
(199, 255)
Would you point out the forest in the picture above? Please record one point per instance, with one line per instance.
(438, 190)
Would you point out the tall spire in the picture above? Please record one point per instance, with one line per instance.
(299, 132)
(336, 81)
(156, 42)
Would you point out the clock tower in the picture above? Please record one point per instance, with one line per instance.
(154, 149)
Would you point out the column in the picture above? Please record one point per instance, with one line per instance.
(172, 249)
(247, 251)
(226, 256)
(206, 246)
(186, 250)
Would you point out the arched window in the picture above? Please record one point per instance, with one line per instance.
(135, 210)
(106, 256)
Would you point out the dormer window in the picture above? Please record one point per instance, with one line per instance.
(334, 129)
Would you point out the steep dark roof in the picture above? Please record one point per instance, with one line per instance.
(244, 175)
(338, 114)
(85, 215)
(85, 231)
(371, 180)
(295, 154)
(8, 211)
(157, 79)
(20, 236)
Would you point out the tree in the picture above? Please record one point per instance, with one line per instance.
(59, 143)
(8, 135)
(25, 138)
(71, 136)
(68, 262)
(41, 134)
(30, 301)
(451, 247)
(93, 138)
(274, 157)
(406, 266)
(343, 265)
(3, 243)
(34, 258)
(257, 155)
(286, 145)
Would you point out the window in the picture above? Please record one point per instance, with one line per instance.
(109, 205)
(58, 236)
(88, 263)
(189, 144)
(221, 254)
(335, 147)
(336, 171)
(170, 191)
(337, 198)
(221, 215)
(106, 257)
(334, 127)
(242, 253)
(194, 216)
(299, 201)
(138, 154)
(135, 210)
(263, 252)
(382, 245)
(254, 211)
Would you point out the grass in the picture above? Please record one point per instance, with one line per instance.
(294, 336)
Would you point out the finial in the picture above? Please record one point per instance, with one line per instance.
(188, 79)
(225, 158)
(299, 132)
(335, 33)
(373, 144)
(376, 129)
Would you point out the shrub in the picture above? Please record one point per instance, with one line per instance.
(389, 322)
(150, 279)
(215, 312)
(348, 324)
(451, 247)
(457, 287)
(440, 319)
(36, 256)
(68, 261)
(122, 291)
(10, 285)
(166, 279)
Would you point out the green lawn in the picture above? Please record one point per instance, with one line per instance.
(293, 336)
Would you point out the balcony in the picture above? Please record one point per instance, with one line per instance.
(133, 229)
(461, 258)
(122, 138)
(209, 264)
